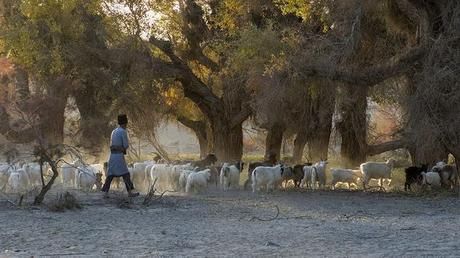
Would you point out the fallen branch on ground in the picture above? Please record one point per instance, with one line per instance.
(271, 219)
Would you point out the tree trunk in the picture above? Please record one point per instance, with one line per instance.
(52, 121)
(227, 121)
(353, 126)
(203, 142)
(320, 122)
(52, 117)
(299, 146)
(227, 141)
(422, 146)
(41, 196)
(226, 114)
(201, 132)
(274, 141)
(318, 145)
(426, 155)
(94, 124)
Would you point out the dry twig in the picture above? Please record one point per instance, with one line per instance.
(149, 196)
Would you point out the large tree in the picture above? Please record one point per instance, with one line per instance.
(215, 42)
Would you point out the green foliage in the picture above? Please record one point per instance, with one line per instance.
(256, 48)
(46, 36)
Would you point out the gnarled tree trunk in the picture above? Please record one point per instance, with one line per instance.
(321, 123)
(353, 125)
(299, 146)
(52, 117)
(228, 140)
(274, 141)
(201, 132)
(94, 124)
(318, 145)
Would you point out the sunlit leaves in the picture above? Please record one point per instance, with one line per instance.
(231, 15)
(299, 8)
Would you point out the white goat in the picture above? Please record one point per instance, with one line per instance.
(268, 177)
(174, 175)
(229, 177)
(33, 172)
(431, 179)
(348, 176)
(439, 165)
(183, 179)
(377, 170)
(198, 181)
(448, 173)
(85, 178)
(319, 174)
(18, 181)
(69, 173)
(159, 175)
(167, 176)
(139, 176)
(307, 173)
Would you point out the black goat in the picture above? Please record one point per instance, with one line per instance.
(414, 175)
(297, 174)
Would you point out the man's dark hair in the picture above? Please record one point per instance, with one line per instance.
(122, 119)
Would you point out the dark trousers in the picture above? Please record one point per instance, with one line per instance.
(126, 179)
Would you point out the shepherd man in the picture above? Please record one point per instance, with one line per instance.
(117, 167)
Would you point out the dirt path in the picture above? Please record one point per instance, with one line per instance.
(223, 224)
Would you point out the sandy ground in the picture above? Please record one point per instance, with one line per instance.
(322, 223)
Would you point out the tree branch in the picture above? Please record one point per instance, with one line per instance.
(239, 118)
(204, 60)
(25, 136)
(199, 127)
(194, 88)
(386, 146)
(196, 31)
(372, 75)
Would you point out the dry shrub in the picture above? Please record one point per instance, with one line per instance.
(64, 202)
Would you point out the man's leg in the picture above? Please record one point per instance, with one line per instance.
(129, 185)
(108, 182)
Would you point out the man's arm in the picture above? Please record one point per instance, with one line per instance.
(125, 140)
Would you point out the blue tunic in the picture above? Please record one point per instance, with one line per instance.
(117, 164)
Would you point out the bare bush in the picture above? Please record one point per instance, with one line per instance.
(64, 202)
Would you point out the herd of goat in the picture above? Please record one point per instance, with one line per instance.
(197, 176)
